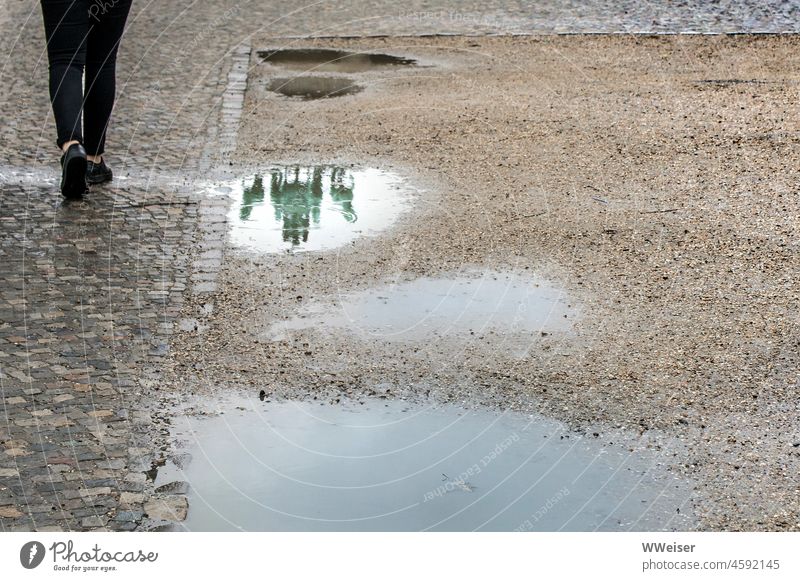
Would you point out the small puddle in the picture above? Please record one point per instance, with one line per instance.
(392, 466)
(313, 207)
(314, 87)
(517, 308)
(329, 60)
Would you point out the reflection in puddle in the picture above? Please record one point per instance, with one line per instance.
(314, 87)
(517, 308)
(397, 467)
(329, 60)
(313, 208)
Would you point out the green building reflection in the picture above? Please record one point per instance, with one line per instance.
(296, 194)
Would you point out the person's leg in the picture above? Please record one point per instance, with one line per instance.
(66, 27)
(106, 24)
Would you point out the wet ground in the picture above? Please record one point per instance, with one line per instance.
(113, 307)
(603, 183)
(518, 309)
(377, 465)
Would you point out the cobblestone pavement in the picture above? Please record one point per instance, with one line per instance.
(91, 291)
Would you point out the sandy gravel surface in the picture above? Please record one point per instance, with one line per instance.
(654, 179)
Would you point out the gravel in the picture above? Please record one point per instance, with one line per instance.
(651, 177)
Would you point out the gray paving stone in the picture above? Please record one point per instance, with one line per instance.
(167, 507)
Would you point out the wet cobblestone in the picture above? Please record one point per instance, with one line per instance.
(91, 290)
(85, 288)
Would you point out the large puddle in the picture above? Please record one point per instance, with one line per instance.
(330, 60)
(313, 207)
(391, 466)
(516, 309)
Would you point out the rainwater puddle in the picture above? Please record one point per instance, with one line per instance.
(297, 208)
(329, 60)
(518, 309)
(314, 87)
(391, 466)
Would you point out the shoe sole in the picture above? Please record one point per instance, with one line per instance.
(73, 180)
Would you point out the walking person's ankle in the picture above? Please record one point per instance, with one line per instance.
(66, 146)
(95, 158)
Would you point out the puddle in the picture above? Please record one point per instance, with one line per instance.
(314, 87)
(390, 466)
(329, 60)
(313, 208)
(516, 308)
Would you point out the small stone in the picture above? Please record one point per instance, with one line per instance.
(99, 491)
(17, 452)
(129, 515)
(177, 487)
(167, 508)
(135, 477)
(94, 521)
(127, 499)
(9, 512)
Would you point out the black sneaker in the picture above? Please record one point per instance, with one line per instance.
(73, 171)
(97, 173)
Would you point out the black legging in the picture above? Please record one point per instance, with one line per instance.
(83, 33)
